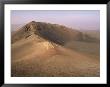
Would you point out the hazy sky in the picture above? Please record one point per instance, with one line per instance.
(83, 20)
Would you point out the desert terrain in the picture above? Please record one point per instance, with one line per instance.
(40, 49)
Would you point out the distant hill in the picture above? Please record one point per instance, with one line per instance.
(93, 33)
(15, 27)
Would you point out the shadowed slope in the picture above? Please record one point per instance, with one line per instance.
(53, 32)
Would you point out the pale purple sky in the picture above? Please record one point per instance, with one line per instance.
(83, 20)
